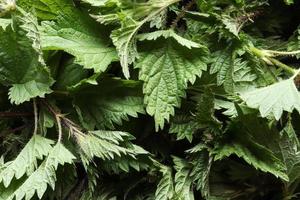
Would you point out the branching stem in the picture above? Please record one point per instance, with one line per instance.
(266, 56)
(61, 119)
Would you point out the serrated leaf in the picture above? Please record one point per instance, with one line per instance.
(289, 149)
(204, 115)
(20, 93)
(274, 99)
(222, 64)
(166, 68)
(117, 100)
(184, 127)
(5, 23)
(26, 161)
(231, 25)
(201, 166)
(21, 61)
(165, 187)
(252, 140)
(124, 38)
(183, 180)
(45, 175)
(125, 42)
(80, 36)
(170, 33)
(106, 145)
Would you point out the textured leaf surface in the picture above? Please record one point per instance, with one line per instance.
(183, 180)
(125, 42)
(255, 142)
(80, 36)
(37, 182)
(21, 62)
(26, 162)
(166, 68)
(105, 144)
(274, 99)
(169, 34)
(108, 104)
(222, 64)
(165, 187)
(124, 38)
(184, 127)
(289, 148)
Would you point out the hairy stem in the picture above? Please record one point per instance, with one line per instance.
(282, 53)
(267, 57)
(61, 119)
(282, 66)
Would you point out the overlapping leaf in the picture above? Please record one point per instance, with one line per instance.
(45, 175)
(108, 104)
(166, 68)
(77, 34)
(21, 61)
(26, 162)
(274, 99)
(124, 38)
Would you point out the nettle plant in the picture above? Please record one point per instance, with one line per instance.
(152, 100)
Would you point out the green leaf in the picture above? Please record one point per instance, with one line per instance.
(165, 187)
(124, 38)
(26, 162)
(70, 75)
(274, 99)
(231, 25)
(20, 93)
(251, 139)
(21, 62)
(204, 115)
(290, 151)
(104, 144)
(45, 175)
(183, 180)
(201, 163)
(222, 64)
(118, 100)
(184, 127)
(5, 23)
(81, 37)
(170, 34)
(166, 68)
(125, 42)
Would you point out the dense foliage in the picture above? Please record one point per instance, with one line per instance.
(149, 99)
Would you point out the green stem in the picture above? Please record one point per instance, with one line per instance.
(282, 53)
(271, 61)
(282, 66)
